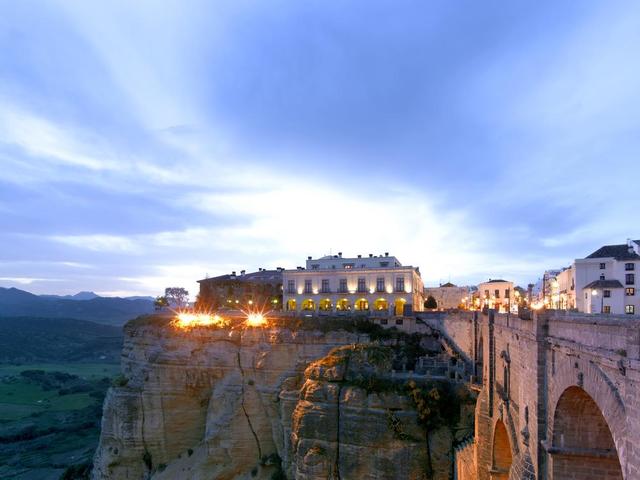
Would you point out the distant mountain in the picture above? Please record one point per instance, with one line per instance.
(77, 296)
(106, 310)
(151, 299)
(28, 340)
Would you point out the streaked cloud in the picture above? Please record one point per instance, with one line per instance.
(147, 145)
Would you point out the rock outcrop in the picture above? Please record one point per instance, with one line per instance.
(261, 403)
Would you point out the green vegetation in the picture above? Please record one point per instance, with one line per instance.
(50, 418)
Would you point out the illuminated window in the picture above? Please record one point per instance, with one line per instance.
(348, 266)
(630, 309)
(606, 309)
(629, 292)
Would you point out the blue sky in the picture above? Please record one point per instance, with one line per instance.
(148, 145)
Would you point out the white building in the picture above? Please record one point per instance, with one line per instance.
(449, 296)
(606, 281)
(498, 294)
(377, 283)
(603, 282)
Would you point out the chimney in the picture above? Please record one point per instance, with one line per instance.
(340, 254)
(386, 254)
(309, 257)
(370, 255)
(359, 256)
(242, 272)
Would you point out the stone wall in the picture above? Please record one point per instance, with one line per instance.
(561, 388)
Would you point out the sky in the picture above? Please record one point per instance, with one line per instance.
(149, 144)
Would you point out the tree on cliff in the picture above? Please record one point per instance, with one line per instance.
(176, 296)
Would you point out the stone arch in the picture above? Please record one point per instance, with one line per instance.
(381, 304)
(582, 442)
(501, 452)
(593, 380)
(308, 304)
(362, 304)
(325, 304)
(291, 304)
(343, 304)
(399, 306)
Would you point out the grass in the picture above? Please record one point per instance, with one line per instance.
(50, 420)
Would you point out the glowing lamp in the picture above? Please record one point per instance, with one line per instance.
(594, 292)
(256, 320)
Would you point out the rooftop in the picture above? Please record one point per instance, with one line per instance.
(619, 252)
(604, 284)
(262, 275)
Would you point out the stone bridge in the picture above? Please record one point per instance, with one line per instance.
(558, 395)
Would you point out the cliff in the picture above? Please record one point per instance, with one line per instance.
(262, 403)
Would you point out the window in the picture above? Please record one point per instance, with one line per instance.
(291, 286)
(400, 284)
(603, 266)
(629, 266)
(497, 292)
(325, 285)
(606, 309)
(348, 266)
(380, 284)
(399, 321)
(607, 293)
(384, 264)
(383, 321)
(630, 279)
(315, 266)
(601, 277)
(307, 286)
(486, 294)
(507, 293)
(629, 292)
(630, 309)
(343, 285)
(362, 285)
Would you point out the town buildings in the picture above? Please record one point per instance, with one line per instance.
(377, 283)
(497, 294)
(262, 289)
(603, 282)
(448, 296)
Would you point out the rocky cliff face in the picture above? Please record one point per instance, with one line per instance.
(260, 403)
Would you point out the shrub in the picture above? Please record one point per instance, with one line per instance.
(119, 381)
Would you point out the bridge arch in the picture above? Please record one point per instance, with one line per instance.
(582, 442)
(600, 389)
(501, 452)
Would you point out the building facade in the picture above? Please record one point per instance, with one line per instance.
(607, 280)
(261, 289)
(448, 296)
(497, 294)
(361, 285)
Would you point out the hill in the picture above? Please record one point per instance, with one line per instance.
(30, 340)
(106, 310)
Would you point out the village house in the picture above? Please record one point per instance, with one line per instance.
(448, 296)
(261, 289)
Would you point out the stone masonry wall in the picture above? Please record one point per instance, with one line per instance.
(538, 377)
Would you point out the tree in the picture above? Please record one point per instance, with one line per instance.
(431, 303)
(176, 296)
(160, 303)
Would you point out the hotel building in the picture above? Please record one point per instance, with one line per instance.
(377, 283)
